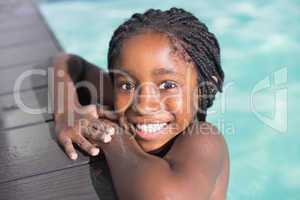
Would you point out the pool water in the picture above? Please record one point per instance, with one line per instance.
(260, 49)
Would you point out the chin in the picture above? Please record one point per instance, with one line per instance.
(148, 147)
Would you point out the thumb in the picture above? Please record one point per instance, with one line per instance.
(104, 112)
(90, 110)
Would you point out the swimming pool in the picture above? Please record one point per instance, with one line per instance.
(258, 111)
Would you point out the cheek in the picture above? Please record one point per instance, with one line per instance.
(122, 102)
(182, 102)
(172, 103)
(182, 106)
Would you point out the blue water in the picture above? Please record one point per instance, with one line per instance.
(258, 112)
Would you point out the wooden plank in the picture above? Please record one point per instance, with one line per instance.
(32, 150)
(21, 16)
(16, 8)
(77, 183)
(18, 118)
(18, 23)
(34, 99)
(24, 43)
(27, 35)
(9, 76)
(27, 54)
(13, 114)
(16, 14)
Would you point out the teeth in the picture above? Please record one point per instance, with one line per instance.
(151, 128)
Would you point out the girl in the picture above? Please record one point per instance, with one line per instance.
(165, 71)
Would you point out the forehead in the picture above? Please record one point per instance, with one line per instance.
(150, 52)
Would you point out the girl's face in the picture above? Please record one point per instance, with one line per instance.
(155, 89)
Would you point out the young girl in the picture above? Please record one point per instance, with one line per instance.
(165, 69)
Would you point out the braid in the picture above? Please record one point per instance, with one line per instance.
(182, 27)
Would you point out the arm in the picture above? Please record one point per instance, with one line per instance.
(189, 170)
(70, 70)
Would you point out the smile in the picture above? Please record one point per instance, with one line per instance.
(149, 131)
(150, 128)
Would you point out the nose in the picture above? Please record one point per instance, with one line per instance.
(147, 99)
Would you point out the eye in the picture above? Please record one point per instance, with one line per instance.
(126, 86)
(167, 85)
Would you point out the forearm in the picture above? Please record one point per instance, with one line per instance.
(78, 82)
(65, 96)
(100, 80)
(137, 174)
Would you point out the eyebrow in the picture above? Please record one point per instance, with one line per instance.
(164, 71)
(123, 71)
(158, 72)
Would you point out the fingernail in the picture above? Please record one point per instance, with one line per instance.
(107, 138)
(111, 131)
(73, 156)
(95, 151)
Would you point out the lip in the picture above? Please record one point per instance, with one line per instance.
(149, 136)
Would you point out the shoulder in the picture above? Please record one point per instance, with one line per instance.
(203, 136)
(200, 143)
(200, 155)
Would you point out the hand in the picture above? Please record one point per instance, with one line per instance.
(101, 130)
(68, 134)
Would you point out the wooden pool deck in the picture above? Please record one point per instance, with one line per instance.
(32, 165)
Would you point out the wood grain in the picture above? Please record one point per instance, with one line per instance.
(16, 14)
(27, 54)
(32, 150)
(24, 36)
(9, 76)
(15, 114)
(77, 183)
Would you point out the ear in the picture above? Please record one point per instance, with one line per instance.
(196, 99)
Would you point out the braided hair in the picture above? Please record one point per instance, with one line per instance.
(190, 35)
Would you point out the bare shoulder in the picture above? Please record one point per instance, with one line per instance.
(204, 133)
(201, 146)
(201, 156)
(203, 139)
(205, 136)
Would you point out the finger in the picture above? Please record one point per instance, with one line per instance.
(85, 145)
(90, 110)
(65, 141)
(69, 148)
(105, 113)
(103, 132)
(95, 131)
(110, 130)
(106, 138)
(123, 123)
(100, 137)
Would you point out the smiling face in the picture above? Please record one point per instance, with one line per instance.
(155, 89)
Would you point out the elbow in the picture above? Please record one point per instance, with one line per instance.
(156, 191)
(153, 195)
(167, 192)
(60, 60)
